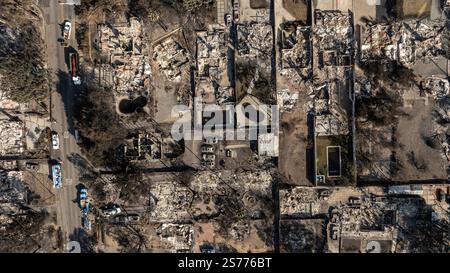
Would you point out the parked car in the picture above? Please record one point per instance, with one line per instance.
(55, 141)
(230, 153)
(67, 30)
(113, 210)
(208, 157)
(32, 166)
(133, 218)
(211, 140)
(209, 164)
(207, 149)
(228, 19)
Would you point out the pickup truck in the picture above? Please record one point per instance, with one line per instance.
(73, 68)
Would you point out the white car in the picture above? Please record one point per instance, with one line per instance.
(112, 211)
(228, 19)
(55, 141)
(67, 30)
(208, 157)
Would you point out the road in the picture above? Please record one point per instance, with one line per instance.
(68, 213)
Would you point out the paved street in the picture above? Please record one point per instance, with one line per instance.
(68, 213)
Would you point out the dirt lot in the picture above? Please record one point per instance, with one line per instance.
(295, 161)
(410, 131)
(41, 185)
(204, 233)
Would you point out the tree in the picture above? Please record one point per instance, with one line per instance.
(23, 76)
(100, 127)
(192, 5)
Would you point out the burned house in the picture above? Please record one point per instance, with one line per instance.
(361, 219)
(171, 58)
(180, 237)
(11, 137)
(214, 80)
(169, 202)
(334, 38)
(295, 45)
(120, 45)
(142, 146)
(333, 92)
(405, 42)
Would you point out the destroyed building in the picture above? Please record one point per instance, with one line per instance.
(253, 60)
(295, 61)
(142, 146)
(214, 79)
(11, 137)
(295, 45)
(438, 89)
(13, 193)
(334, 38)
(121, 46)
(171, 58)
(332, 97)
(403, 42)
(255, 40)
(178, 236)
(169, 202)
(371, 219)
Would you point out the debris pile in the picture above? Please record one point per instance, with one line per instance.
(11, 134)
(123, 46)
(240, 230)
(214, 83)
(404, 42)
(438, 89)
(171, 58)
(169, 202)
(13, 192)
(331, 118)
(333, 38)
(255, 40)
(242, 194)
(179, 236)
(295, 46)
(286, 101)
(298, 201)
(296, 52)
(142, 146)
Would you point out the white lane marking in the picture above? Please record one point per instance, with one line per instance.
(69, 181)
